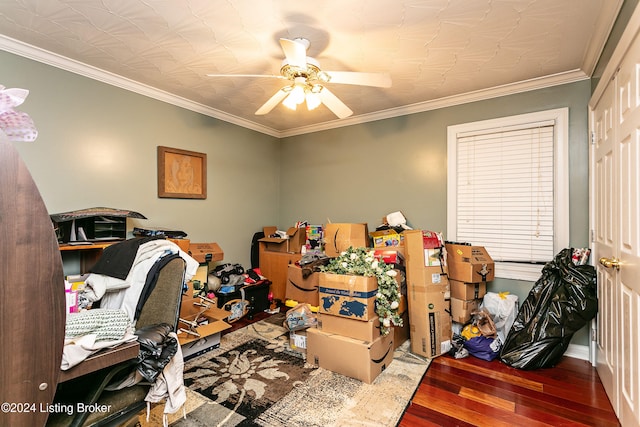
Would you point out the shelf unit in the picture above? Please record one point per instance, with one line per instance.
(95, 229)
(88, 254)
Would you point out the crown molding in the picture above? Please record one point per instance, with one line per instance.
(449, 101)
(622, 47)
(37, 54)
(601, 32)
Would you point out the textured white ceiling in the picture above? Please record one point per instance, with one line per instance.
(437, 52)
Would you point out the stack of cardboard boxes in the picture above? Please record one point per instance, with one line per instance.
(442, 288)
(470, 268)
(427, 294)
(444, 283)
(391, 250)
(347, 339)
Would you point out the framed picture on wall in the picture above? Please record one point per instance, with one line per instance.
(182, 174)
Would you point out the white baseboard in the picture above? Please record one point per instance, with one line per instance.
(578, 351)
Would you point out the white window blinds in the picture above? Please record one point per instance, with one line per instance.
(508, 189)
(505, 191)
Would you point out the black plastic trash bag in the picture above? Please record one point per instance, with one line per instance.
(560, 303)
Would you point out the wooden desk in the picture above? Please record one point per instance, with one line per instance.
(89, 254)
(102, 359)
(70, 247)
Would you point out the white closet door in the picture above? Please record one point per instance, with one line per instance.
(616, 210)
(604, 240)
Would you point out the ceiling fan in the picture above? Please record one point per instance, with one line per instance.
(307, 82)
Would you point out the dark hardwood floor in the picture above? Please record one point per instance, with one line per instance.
(473, 392)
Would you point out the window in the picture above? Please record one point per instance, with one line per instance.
(508, 189)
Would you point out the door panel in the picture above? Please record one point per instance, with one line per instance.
(604, 231)
(628, 244)
(615, 163)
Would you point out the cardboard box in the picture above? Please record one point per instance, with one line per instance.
(467, 291)
(426, 275)
(357, 359)
(300, 289)
(417, 254)
(347, 295)
(210, 332)
(427, 297)
(293, 242)
(352, 328)
(420, 276)
(201, 346)
(461, 309)
(470, 264)
(338, 237)
(298, 340)
(429, 319)
(182, 243)
(386, 238)
(199, 252)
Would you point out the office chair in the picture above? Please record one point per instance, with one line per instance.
(161, 306)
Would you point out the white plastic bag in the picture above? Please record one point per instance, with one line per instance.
(503, 308)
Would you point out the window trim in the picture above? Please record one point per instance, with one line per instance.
(560, 117)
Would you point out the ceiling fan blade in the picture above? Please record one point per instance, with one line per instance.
(334, 104)
(272, 102)
(362, 79)
(246, 75)
(295, 52)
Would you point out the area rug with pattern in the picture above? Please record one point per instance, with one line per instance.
(248, 379)
(255, 379)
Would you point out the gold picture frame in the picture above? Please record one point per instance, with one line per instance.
(182, 174)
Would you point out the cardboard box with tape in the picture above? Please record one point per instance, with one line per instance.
(206, 252)
(470, 264)
(362, 360)
(301, 289)
(338, 237)
(348, 296)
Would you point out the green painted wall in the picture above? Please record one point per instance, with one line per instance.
(97, 147)
(361, 173)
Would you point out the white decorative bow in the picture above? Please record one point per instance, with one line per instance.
(17, 125)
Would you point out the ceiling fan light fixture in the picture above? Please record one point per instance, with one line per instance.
(313, 101)
(307, 81)
(297, 94)
(323, 76)
(290, 103)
